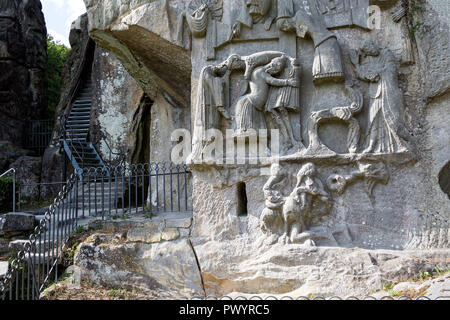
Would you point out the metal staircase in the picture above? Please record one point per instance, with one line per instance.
(79, 150)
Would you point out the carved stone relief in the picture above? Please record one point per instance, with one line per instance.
(387, 133)
(264, 88)
(288, 219)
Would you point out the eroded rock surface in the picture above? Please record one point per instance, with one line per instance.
(23, 58)
(148, 255)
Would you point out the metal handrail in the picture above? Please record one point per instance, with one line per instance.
(79, 76)
(14, 171)
(91, 192)
(121, 155)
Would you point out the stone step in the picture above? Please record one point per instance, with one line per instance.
(19, 245)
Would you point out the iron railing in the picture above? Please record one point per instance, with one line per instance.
(12, 172)
(315, 298)
(140, 188)
(38, 135)
(120, 156)
(93, 193)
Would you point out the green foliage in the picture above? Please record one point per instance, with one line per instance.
(80, 229)
(56, 58)
(12, 255)
(388, 286)
(413, 30)
(6, 194)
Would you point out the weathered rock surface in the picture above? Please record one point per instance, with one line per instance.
(29, 175)
(23, 54)
(16, 223)
(147, 255)
(117, 109)
(299, 270)
(143, 37)
(9, 153)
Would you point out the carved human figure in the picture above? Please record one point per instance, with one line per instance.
(387, 133)
(203, 18)
(271, 218)
(210, 106)
(298, 208)
(284, 99)
(252, 12)
(328, 57)
(261, 78)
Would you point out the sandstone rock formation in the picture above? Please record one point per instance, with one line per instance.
(362, 120)
(149, 256)
(23, 58)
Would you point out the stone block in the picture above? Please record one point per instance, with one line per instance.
(16, 223)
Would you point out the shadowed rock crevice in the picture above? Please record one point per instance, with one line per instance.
(198, 265)
(444, 179)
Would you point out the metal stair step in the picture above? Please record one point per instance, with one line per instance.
(78, 100)
(85, 102)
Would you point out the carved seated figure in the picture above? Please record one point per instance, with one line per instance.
(299, 209)
(271, 219)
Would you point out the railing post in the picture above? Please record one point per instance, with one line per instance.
(14, 191)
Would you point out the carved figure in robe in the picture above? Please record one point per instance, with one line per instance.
(203, 17)
(328, 57)
(284, 99)
(299, 208)
(252, 12)
(211, 105)
(387, 133)
(271, 218)
(260, 80)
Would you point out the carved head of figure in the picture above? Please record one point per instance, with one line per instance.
(276, 65)
(235, 62)
(258, 8)
(277, 171)
(370, 48)
(307, 171)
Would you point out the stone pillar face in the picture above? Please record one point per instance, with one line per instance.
(23, 55)
(304, 124)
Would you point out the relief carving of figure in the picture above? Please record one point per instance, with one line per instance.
(284, 99)
(252, 12)
(387, 133)
(254, 102)
(328, 57)
(271, 218)
(308, 201)
(211, 105)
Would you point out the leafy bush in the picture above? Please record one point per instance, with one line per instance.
(56, 58)
(6, 194)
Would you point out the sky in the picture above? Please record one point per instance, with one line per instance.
(59, 15)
